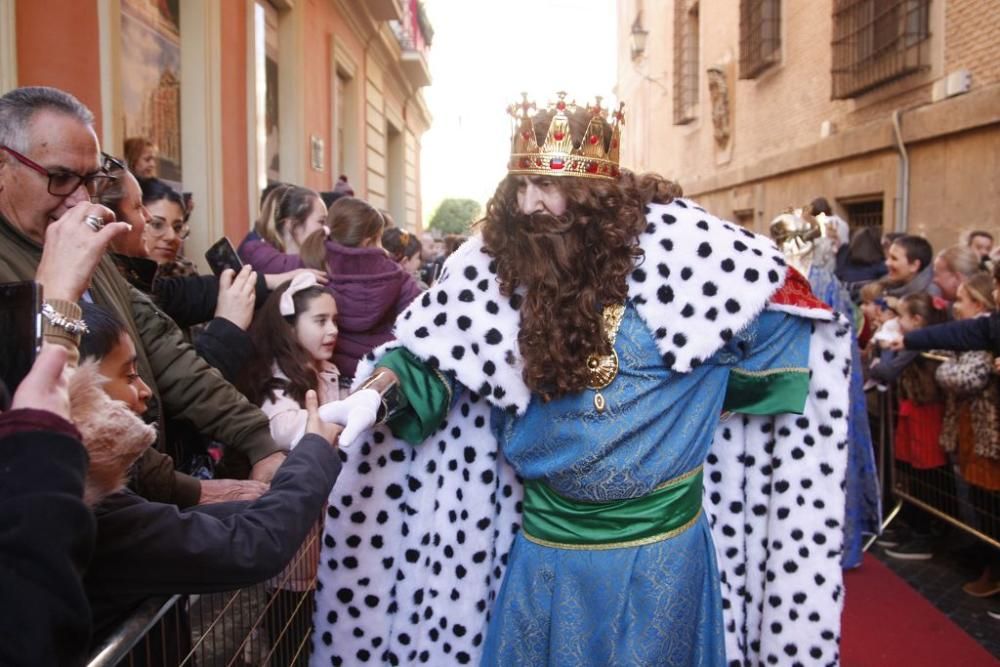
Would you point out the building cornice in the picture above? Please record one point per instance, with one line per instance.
(959, 114)
(381, 43)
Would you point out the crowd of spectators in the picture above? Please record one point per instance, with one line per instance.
(131, 463)
(929, 330)
(167, 439)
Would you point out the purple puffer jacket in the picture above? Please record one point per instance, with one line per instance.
(264, 257)
(371, 290)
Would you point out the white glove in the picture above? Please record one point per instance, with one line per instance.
(357, 413)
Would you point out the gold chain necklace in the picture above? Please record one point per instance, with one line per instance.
(604, 368)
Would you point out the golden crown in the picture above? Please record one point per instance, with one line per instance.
(596, 156)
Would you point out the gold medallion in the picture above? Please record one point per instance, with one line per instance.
(603, 368)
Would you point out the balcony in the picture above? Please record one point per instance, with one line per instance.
(385, 10)
(414, 34)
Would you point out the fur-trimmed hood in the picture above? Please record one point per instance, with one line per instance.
(114, 436)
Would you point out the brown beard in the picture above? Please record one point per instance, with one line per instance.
(567, 268)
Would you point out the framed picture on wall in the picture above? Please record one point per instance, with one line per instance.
(151, 78)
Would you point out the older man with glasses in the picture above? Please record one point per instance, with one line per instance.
(50, 168)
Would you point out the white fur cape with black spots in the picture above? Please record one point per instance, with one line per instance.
(416, 538)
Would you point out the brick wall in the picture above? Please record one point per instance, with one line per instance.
(776, 118)
(972, 27)
(786, 105)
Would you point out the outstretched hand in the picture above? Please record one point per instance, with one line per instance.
(315, 424)
(357, 413)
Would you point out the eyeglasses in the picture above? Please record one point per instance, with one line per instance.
(63, 183)
(110, 163)
(159, 227)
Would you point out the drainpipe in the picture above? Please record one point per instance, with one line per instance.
(903, 176)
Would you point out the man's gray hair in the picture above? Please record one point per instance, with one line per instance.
(19, 106)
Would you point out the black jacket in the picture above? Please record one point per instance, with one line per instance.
(981, 333)
(191, 300)
(46, 539)
(146, 548)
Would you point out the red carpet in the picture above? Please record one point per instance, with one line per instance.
(886, 622)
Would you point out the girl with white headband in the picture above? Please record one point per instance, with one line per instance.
(295, 333)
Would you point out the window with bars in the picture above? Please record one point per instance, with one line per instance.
(864, 214)
(685, 61)
(877, 41)
(760, 36)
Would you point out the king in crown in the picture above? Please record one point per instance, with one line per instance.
(594, 155)
(567, 376)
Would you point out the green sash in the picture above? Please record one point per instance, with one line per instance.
(555, 521)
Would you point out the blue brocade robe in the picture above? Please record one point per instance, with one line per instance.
(655, 604)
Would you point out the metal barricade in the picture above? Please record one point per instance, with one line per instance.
(941, 492)
(266, 624)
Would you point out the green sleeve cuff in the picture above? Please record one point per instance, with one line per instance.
(425, 396)
(767, 392)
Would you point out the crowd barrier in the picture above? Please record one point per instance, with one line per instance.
(942, 491)
(265, 624)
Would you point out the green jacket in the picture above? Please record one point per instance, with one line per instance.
(184, 386)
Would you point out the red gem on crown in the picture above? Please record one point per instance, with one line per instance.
(556, 155)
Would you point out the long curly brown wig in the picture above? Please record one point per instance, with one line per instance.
(569, 267)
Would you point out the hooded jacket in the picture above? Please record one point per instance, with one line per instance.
(371, 291)
(146, 548)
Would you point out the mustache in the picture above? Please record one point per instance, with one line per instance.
(541, 224)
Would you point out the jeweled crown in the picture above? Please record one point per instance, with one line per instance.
(596, 156)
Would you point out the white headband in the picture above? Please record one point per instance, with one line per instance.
(302, 281)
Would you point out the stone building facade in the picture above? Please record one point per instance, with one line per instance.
(300, 91)
(889, 108)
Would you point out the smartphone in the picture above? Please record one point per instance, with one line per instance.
(20, 330)
(221, 256)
